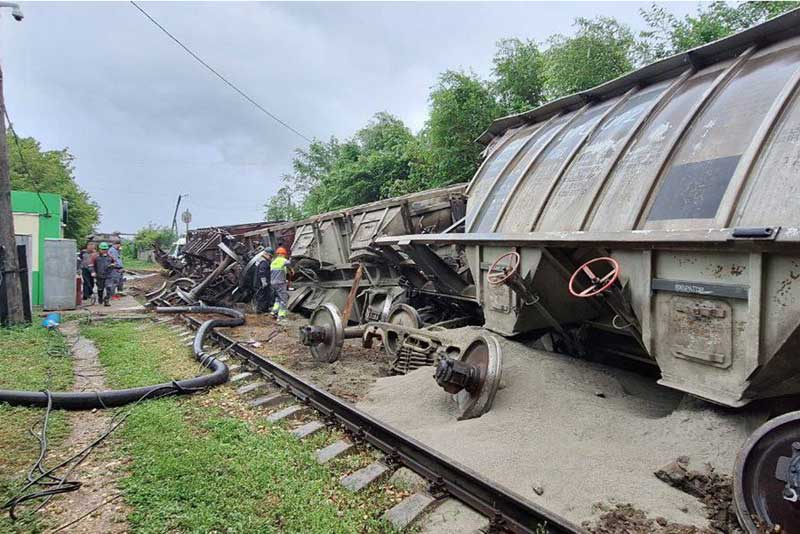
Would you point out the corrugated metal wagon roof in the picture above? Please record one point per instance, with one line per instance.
(777, 29)
(707, 139)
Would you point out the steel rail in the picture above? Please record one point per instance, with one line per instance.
(505, 509)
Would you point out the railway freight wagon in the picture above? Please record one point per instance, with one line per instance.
(657, 217)
(334, 252)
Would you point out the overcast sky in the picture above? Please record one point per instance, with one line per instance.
(146, 123)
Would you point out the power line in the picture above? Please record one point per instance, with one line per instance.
(25, 163)
(217, 74)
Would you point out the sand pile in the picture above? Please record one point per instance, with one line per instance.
(570, 435)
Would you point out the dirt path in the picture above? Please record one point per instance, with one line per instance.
(100, 473)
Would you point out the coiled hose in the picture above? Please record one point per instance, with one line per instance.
(89, 400)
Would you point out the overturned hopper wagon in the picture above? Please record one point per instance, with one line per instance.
(328, 248)
(657, 218)
(340, 276)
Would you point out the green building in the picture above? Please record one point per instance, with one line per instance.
(37, 217)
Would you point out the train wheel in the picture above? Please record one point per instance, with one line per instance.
(327, 319)
(766, 480)
(401, 315)
(475, 378)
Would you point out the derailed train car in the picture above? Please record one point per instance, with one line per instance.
(340, 277)
(657, 217)
(328, 248)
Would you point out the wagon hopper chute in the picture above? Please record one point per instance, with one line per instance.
(657, 217)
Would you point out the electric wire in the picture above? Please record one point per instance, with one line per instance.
(218, 75)
(48, 479)
(43, 483)
(25, 163)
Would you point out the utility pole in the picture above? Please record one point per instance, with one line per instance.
(9, 269)
(175, 216)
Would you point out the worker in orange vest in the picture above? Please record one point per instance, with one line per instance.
(279, 283)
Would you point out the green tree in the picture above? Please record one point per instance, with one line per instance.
(51, 171)
(282, 206)
(374, 157)
(310, 166)
(601, 50)
(421, 169)
(461, 107)
(519, 75)
(667, 34)
(338, 174)
(152, 234)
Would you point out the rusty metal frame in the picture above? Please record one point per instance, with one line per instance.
(730, 201)
(506, 168)
(713, 90)
(405, 214)
(646, 117)
(568, 161)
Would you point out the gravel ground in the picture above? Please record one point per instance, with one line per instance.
(349, 378)
(576, 437)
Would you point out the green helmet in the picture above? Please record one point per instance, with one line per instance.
(103, 246)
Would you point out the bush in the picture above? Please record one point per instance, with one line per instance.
(148, 236)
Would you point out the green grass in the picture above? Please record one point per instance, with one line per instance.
(195, 467)
(31, 358)
(138, 354)
(140, 265)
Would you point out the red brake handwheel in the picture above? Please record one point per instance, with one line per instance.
(497, 276)
(597, 284)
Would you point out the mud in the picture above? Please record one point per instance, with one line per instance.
(714, 490)
(625, 518)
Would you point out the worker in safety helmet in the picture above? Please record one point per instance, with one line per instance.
(116, 252)
(279, 283)
(103, 269)
(264, 297)
(87, 257)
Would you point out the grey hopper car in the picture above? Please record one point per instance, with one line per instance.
(337, 267)
(682, 181)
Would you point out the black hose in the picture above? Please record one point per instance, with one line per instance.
(90, 400)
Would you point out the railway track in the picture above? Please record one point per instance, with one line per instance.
(505, 510)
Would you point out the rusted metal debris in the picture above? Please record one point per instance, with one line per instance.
(219, 263)
(334, 256)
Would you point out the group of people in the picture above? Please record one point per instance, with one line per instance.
(273, 282)
(101, 266)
